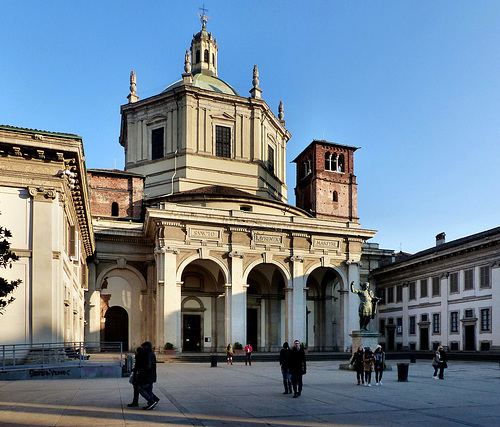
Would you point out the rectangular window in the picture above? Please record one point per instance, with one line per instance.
(399, 324)
(453, 283)
(270, 158)
(390, 295)
(412, 325)
(381, 327)
(424, 318)
(484, 273)
(454, 321)
(436, 324)
(423, 288)
(157, 143)
(380, 292)
(413, 290)
(72, 241)
(399, 293)
(223, 141)
(468, 279)
(469, 313)
(485, 320)
(436, 287)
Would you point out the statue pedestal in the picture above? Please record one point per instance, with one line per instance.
(365, 339)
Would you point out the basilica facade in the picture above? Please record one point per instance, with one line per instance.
(196, 244)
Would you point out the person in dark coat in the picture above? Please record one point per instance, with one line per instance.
(146, 375)
(285, 372)
(357, 363)
(297, 367)
(443, 362)
(139, 352)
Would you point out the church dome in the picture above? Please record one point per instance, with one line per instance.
(207, 82)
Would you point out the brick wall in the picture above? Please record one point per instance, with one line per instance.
(315, 192)
(108, 187)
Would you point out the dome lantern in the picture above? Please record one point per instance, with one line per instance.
(204, 50)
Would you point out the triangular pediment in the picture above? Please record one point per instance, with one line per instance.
(223, 116)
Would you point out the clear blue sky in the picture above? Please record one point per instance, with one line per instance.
(415, 84)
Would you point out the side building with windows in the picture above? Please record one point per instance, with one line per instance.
(44, 202)
(446, 295)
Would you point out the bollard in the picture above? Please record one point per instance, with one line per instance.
(403, 371)
(129, 363)
(213, 361)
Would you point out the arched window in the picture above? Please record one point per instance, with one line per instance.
(114, 209)
(340, 165)
(335, 196)
(197, 56)
(328, 161)
(213, 59)
(307, 167)
(206, 56)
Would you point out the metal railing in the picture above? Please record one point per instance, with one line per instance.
(21, 356)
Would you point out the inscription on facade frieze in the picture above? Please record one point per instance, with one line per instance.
(204, 234)
(326, 244)
(267, 239)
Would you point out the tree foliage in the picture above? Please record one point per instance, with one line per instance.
(7, 257)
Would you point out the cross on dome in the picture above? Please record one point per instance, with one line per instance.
(203, 17)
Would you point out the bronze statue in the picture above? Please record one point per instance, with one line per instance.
(367, 304)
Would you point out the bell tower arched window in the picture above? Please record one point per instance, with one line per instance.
(197, 56)
(206, 57)
(340, 163)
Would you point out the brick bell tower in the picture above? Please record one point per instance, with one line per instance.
(326, 185)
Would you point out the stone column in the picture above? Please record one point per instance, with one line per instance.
(160, 295)
(298, 331)
(43, 326)
(445, 315)
(351, 313)
(239, 298)
(172, 300)
(93, 306)
(227, 315)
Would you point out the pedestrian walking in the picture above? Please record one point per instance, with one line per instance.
(146, 375)
(357, 364)
(435, 365)
(379, 364)
(229, 352)
(285, 371)
(297, 367)
(139, 353)
(368, 360)
(443, 362)
(248, 354)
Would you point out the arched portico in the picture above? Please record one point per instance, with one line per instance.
(325, 308)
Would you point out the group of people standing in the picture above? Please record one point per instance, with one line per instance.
(293, 367)
(365, 361)
(248, 354)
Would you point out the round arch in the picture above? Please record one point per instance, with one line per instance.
(318, 265)
(182, 266)
(124, 272)
(116, 326)
(255, 263)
